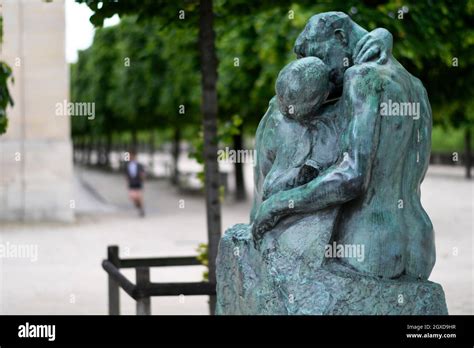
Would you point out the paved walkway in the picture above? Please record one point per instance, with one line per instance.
(67, 277)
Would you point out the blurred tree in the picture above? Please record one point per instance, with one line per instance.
(179, 91)
(238, 70)
(81, 91)
(103, 56)
(92, 82)
(186, 15)
(5, 98)
(251, 51)
(192, 14)
(126, 74)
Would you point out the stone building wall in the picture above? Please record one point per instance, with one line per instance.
(36, 152)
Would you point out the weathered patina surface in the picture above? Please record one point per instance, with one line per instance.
(339, 171)
(251, 283)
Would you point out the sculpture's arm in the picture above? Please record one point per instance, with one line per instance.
(284, 181)
(376, 45)
(257, 169)
(262, 161)
(348, 178)
(291, 178)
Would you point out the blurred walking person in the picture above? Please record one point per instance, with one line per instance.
(135, 177)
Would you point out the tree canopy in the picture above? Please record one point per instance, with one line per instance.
(433, 39)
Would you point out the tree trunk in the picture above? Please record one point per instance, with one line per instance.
(108, 149)
(90, 150)
(97, 150)
(467, 151)
(103, 151)
(74, 149)
(209, 123)
(83, 149)
(90, 146)
(240, 194)
(175, 154)
(152, 150)
(100, 151)
(134, 146)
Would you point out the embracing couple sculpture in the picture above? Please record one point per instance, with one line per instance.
(332, 171)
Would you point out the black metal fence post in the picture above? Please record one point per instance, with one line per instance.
(212, 304)
(144, 289)
(143, 300)
(114, 295)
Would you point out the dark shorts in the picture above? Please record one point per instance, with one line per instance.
(135, 186)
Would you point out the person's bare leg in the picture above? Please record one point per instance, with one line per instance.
(136, 198)
(139, 204)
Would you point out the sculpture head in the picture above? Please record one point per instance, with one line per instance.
(332, 37)
(301, 87)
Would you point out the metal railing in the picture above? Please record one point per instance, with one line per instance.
(143, 290)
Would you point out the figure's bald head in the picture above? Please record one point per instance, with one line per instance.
(330, 36)
(301, 87)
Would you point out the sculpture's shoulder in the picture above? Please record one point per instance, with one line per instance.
(273, 115)
(390, 78)
(368, 77)
(269, 122)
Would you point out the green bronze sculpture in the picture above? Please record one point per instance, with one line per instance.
(337, 226)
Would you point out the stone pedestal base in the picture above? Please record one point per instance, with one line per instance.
(251, 284)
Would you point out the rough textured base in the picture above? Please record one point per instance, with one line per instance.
(251, 282)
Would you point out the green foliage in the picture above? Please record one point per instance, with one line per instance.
(225, 133)
(427, 41)
(434, 40)
(5, 97)
(203, 257)
(229, 128)
(81, 89)
(138, 75)
(447, 139)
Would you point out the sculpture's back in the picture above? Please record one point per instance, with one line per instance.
(388, 218)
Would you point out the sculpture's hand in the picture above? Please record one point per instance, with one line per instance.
(374, 45)
(264, 221)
